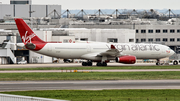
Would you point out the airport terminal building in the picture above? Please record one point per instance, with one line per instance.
(146, 30)
(20, 8)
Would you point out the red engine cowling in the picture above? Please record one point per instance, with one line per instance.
(126, 59)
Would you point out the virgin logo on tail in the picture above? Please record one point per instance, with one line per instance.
(26, 38)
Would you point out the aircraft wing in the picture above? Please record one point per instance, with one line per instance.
(111, 52)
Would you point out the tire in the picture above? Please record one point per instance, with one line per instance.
(175, 63)
(84, 64)
(157, 63)
(104, 64)
(98, 64)
(89, 63)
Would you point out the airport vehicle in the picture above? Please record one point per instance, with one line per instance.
(101, 53)
(22, 62)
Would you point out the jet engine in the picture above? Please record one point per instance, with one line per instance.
(126, 59)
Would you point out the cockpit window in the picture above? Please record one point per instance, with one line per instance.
(169, 48)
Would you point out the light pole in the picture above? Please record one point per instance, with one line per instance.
(31, 18)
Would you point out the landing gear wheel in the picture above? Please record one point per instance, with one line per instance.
(175, 63)
(158, 62)
(89, 63)
(84, 63)
(98, 64)
(101, 64)
(104, 64)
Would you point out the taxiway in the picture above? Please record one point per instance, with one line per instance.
(68, 65)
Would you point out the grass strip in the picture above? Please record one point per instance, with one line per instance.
(91, 76)
(95, 68)
(105, 95)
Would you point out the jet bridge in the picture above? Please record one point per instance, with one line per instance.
(6, 54)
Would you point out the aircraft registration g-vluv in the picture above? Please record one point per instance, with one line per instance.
(101, 53)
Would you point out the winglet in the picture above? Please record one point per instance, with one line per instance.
(113, 47)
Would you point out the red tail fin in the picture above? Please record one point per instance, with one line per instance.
(27, 35)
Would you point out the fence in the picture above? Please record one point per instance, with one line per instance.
(7, 97)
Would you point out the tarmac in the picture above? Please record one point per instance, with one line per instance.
(69, 65)
(85, 84)
(63, 71)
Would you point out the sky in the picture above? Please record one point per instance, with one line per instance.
(108, 4)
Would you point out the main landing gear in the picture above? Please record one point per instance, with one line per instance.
(89, 63)
(101, 64)
(103, 61)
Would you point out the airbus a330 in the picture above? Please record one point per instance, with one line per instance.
(101, 53)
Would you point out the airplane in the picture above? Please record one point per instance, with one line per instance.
(100, 52)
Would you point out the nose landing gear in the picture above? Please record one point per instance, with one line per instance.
(158, 62)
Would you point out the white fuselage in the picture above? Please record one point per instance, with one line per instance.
(90, 51)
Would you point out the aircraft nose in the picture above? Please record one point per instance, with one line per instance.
(172, 52)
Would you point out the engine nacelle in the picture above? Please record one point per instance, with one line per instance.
(126, 59)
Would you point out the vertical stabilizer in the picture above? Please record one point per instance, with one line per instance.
(27, 35)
